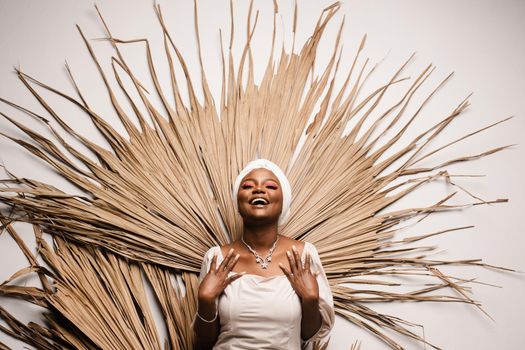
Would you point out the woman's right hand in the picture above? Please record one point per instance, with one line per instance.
(217, 279)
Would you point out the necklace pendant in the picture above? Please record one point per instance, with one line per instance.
(264, 262)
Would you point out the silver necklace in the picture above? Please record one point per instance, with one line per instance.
(264, 262)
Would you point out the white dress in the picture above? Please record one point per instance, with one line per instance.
(258, 312)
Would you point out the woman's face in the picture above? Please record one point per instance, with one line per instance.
(260, 197)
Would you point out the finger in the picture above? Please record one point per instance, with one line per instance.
(213, 264)
(297, 258)
(234, 277)
(308, 262)
(227, 259)
(291, 260)
(232, 263)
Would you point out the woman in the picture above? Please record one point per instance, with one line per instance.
(263, 291)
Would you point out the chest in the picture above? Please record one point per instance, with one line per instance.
(247, 263)
(256, 299)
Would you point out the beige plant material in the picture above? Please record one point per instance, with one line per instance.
(160, 197)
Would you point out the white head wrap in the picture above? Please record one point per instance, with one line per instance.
(285, 185)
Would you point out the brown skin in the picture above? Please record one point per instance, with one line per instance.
(260, 232)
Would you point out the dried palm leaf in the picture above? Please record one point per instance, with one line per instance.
(160, 197)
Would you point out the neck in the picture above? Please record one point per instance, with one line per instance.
(260, 237)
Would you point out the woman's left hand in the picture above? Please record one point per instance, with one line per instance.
(302, 279)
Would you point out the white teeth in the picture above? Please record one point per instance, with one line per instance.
(257, 201)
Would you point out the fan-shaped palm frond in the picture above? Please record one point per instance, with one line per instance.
(161, 196)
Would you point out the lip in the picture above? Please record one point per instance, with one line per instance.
(259, 205)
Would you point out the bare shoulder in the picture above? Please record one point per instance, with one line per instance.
(287, 243)
(227, 247)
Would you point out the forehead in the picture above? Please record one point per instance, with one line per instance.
(261, 174)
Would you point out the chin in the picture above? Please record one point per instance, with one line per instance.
(259, 219)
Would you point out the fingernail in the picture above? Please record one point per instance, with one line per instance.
(237, 256)
(231, 251)
(293, 248)
(288, 252)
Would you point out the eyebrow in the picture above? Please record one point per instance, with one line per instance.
(267, 179)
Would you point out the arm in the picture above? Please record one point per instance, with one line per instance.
(206, 325)
(206, 328)
(311, 320)
(304, 282)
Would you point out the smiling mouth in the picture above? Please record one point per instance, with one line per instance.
(258, 201)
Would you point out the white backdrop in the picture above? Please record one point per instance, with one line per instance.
(480, 40)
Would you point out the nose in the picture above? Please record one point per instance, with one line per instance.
(258, 188)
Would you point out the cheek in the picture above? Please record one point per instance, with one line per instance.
(279, 198)
(241, 198)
